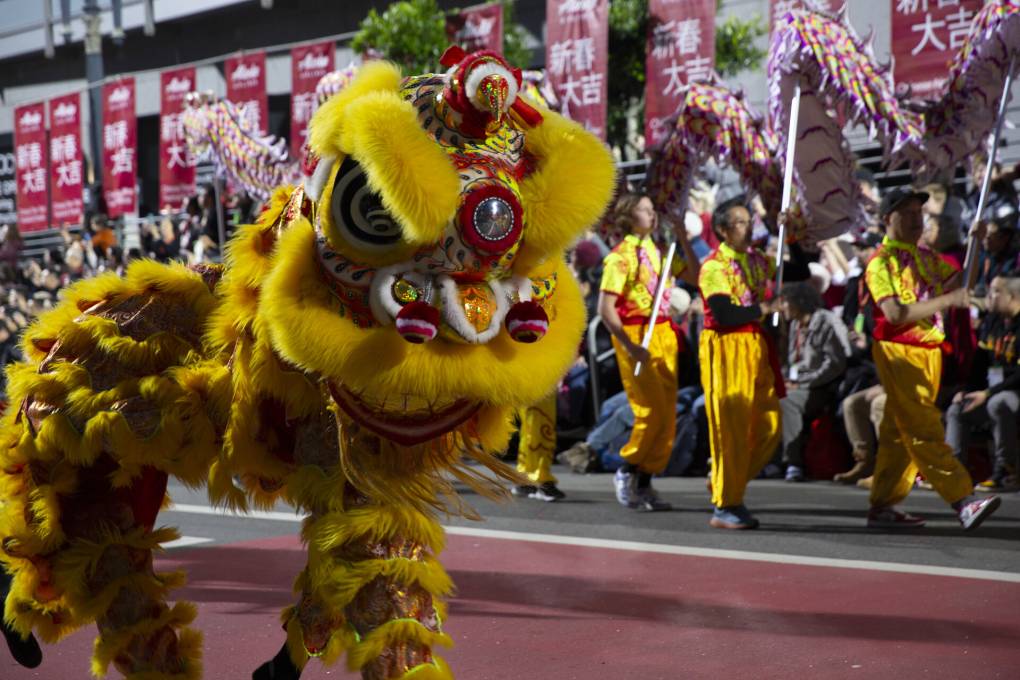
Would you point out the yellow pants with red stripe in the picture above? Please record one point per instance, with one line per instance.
(742, 408)
(538, 441)
(911, 437)
(652, 397)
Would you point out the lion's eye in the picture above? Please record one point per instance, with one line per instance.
(358, 212)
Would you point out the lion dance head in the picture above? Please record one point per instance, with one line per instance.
(429, 289)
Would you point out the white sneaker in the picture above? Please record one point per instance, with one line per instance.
(647, 499)
(975, 512)
(625, 483)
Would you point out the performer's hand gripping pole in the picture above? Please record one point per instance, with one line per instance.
(791, 146)
(667, 267)
(972, 244)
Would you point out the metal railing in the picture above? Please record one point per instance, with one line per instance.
(596, 359)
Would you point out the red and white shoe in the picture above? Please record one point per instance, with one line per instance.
(973, 513)
(891, 518)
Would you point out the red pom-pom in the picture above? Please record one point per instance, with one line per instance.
(418, 322)
(527, 321)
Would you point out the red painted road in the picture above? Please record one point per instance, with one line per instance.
(551, 612)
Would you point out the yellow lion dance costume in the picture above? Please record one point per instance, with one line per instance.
(376, 327)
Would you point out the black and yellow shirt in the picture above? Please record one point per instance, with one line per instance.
(998, 354)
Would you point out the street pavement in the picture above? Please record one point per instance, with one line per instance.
(586, 589)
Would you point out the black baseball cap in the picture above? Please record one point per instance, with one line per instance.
(896, 197)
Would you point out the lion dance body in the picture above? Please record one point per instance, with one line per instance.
(361, 351)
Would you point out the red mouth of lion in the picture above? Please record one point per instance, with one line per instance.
(405, 427)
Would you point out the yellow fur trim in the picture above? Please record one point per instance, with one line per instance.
(326, 125)
(74, 567)
(414, 177)
(556, 210)
(307, 332)
(182, 444)
(235, 333)
(339, 584)
(437, 670)
(399, 631)
(111, 644)
(141, 277)
(51, 623)
(189, 648)
(372, 523)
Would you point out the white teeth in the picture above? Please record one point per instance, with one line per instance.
(453, 311)
(385, 307)
(522, 284)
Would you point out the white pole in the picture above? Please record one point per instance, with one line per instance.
(667, 266)
(791, 146)
(972, 244)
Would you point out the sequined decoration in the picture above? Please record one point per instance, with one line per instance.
(405, 292)
(479, 306)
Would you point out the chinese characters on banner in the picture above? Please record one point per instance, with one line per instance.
(120, 147)
(66, 160)
(307, 65)
(926, 35)
(246, 87)
(576, 59)
(681, 49)
(478, 28)
(30, 156)
(176, 168)
(8, 187)
(779, 8)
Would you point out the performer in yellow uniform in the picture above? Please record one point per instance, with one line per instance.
(535, 451)
(738, 364)
(629, 279)
(909, 285)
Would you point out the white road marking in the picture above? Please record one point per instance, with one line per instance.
(635, 546)
(185, 541)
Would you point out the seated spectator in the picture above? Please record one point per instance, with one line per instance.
(995, 388)
(862, 415)
(600, 450)
(999, 256)
(816, 360)
(861, 399)
(941, 203)
(102, 235)
(11, 244)
(1001, 200)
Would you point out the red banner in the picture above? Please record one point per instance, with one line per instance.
(30, 156)
(176, 168)
(307, 65)
(120, 147)
(478, 28)
(779, 8)
(681, 49)
(246, 86)
(926, 35)
(576, 59)
(66, 161)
